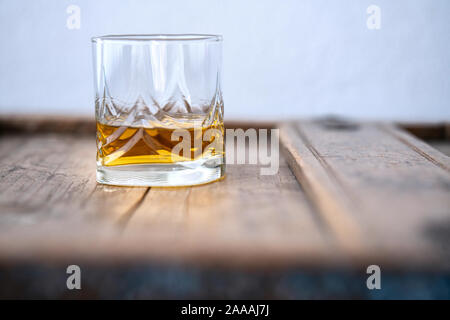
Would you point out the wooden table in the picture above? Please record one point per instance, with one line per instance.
(347, 195)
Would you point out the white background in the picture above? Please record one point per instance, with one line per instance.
(282, 58)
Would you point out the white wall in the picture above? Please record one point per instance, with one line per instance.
(281, 58)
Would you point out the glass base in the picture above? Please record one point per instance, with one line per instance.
(186, 173)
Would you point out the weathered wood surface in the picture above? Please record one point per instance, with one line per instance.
(52, 209)
(382, 193)
(368, 193)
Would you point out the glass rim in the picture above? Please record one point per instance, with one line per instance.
(185, 37)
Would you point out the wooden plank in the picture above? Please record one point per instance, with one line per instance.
(321, 187)
(51, 206)
(420, 147)
(52, 209)
(374, 195)
(384, 194)
(51, 171)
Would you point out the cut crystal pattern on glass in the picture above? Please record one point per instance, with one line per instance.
(151, 81)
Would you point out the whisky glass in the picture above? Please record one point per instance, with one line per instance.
(158, 109)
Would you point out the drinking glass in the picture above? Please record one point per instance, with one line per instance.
(159, 109)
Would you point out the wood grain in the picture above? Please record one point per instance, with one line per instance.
(52, 209)
(368, 193)
(382, 191)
